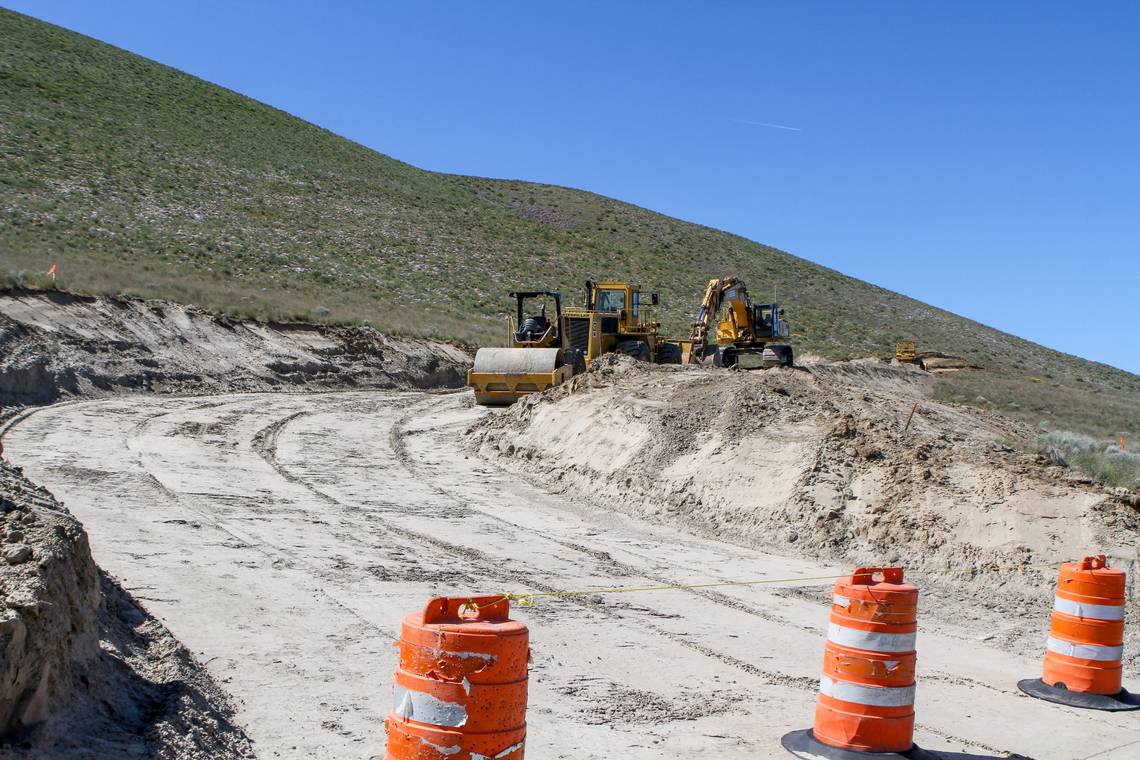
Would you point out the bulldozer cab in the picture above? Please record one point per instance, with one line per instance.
(611, 299)
(533, 326)
(620, 297)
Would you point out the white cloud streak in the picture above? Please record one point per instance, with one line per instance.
(768, 124)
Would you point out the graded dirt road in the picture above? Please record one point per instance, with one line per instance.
(282, 537)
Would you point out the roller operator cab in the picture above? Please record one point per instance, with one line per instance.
(533, 358)
(542, 352)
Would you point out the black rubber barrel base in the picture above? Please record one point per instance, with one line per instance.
(804, 744)
(1035, 687)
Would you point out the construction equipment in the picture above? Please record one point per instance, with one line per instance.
(541, 354)
(745, 329)
(906, 351)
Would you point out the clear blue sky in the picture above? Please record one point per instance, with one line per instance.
(980, 156)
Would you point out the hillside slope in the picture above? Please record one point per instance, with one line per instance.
(139, 179)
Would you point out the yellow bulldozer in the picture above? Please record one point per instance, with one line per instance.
(906, 351)
(742, 329)
(542, 352)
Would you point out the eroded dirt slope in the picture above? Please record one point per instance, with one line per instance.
(815, 461)
(85, 672)
(55, 345)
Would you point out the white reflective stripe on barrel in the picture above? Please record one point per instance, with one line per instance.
(1083, 651)
(427, 708)
(1084, 610)
(870, 641)
(840, 601)
(875, 696)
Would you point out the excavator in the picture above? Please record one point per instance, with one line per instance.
(746, 329)
(542, 353)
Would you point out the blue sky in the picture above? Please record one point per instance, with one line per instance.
(983, 157)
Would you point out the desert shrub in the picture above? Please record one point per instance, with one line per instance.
(1106, 462)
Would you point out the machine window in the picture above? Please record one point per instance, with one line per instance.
(611, 300)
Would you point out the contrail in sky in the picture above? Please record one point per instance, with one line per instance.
(766, 124)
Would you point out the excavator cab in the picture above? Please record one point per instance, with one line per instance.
(769, 321)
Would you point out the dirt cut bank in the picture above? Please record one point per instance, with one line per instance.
(817, 461)
(85, 672)
(56, 345)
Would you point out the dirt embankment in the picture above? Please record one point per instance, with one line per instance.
(819, 461)
(816, 460)
(55, 345)
(85, 672)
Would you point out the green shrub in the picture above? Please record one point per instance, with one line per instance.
(1106, 462)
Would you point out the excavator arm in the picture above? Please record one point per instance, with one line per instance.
(721, 292)
(705, 315)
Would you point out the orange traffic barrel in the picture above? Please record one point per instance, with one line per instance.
(1086, 640)
(461, 685)
(866, 690)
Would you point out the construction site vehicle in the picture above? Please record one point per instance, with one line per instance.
(541, 353)
(534, 358)
(743, 329)
(906, 352)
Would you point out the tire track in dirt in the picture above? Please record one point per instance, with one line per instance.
(396, 437)
(487, 566)
(808, 684)
(490, 568)
(259, 544)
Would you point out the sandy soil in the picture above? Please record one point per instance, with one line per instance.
(281, 538)
(85, 672)
(822, 461)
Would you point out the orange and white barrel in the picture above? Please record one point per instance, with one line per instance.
(866, 689)
(1085, 645)
(461, 686)
(1086, 639)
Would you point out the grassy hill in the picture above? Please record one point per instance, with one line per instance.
(136, 178)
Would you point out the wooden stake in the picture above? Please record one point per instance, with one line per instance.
(910, 417)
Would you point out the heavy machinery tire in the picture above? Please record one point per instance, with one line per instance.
(575, 359)
(668, 353)
(728, 357)
(638, 349)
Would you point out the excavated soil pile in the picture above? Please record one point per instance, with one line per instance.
(819, 461)
(55, 345)
(84, 671)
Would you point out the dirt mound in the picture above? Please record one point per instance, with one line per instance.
(84, 671)
(933, 361)
(816, 460)
(56, 345)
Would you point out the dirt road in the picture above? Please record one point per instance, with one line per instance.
(282, 538)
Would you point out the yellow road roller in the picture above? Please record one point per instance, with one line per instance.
(542, 353)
